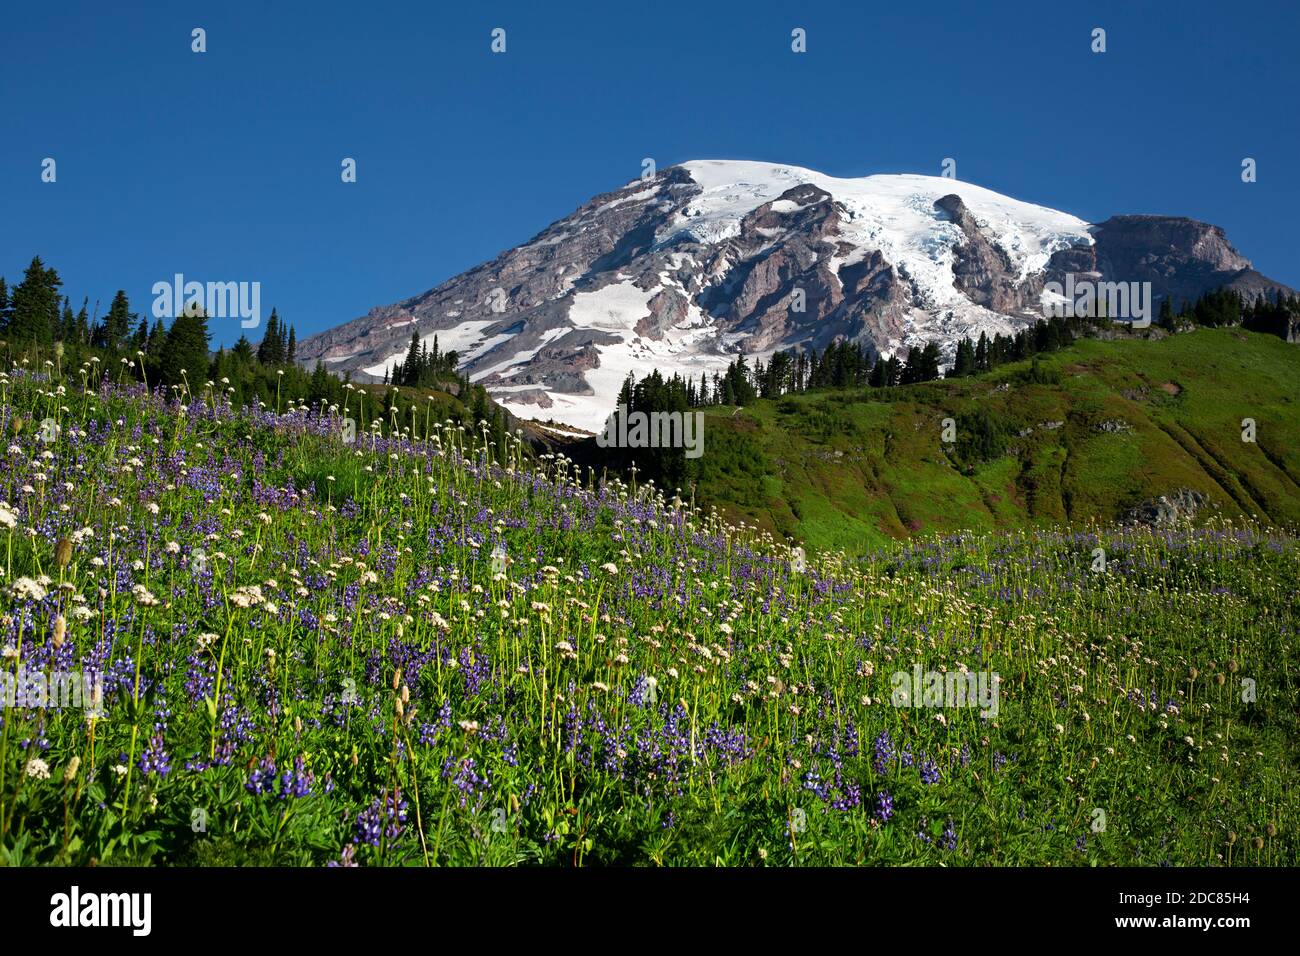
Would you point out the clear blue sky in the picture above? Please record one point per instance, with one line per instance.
(225, 165)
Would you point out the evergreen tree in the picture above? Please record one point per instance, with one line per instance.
(930, 362)
(1020, 347)
(478, 406)
(291, 350)
(410, 371)
(320, 385)
(895, 369)
(67, 324)
(880, 374)
(157, 336)
(83, 324)
(737, 384)
(117, 324)
(728, 391)
(185, 350)
(32, 304)
(912, 367)
(270, 352)
(1166, 319)
(499, 436)
(964, 364)
(4, 305)
(140, 340)
(625, 393)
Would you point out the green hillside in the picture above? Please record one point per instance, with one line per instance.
(1140, 418)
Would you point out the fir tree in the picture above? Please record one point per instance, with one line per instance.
(117, 324)
(499, 436)
(157, 336)
(320, 385)
(83, 324)
(68, 324)
(32, 305)
(409, 373)
(185, 350)
(270, 352)
(478, 406)
(140, 340)
(930, 362)
(964, 364)
(880, 374)
(912, 368)
(895, 372)
(1166, 318)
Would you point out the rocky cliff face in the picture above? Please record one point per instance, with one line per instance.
(981, 269)
(711, 259)
(1181, 258)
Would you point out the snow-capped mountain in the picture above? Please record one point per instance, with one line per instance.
(709, 259)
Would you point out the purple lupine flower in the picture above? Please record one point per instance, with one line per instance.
(812, 781)
(929, 771)
(295, 783)
(949, 836)
(884, 806)
(883, 752)
(155, 758)
(467, 779)
(376, 822)
(346, 858)
(639, 694)
(262, 779)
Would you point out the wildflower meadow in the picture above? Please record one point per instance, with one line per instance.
(257, 635)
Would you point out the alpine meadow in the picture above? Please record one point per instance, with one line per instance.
(418, 648)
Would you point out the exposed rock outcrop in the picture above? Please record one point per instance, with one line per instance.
(1168, 509)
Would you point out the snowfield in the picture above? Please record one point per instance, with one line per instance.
(894, 214)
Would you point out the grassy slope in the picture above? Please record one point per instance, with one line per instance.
(849, 470)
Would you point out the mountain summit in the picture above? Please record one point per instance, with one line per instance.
(710, 259)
